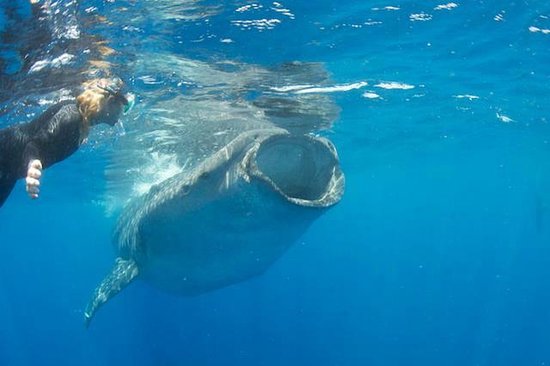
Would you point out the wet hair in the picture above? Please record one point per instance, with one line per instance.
(93, 99)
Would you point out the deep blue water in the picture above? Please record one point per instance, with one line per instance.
(438, 254)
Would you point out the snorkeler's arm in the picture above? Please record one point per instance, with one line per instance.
(39, 132)
(45, 146)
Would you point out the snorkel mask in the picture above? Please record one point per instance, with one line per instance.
(126, 99)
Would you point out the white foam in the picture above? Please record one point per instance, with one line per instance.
(370, 95)
(534, 29)
(161, 167)
(499, 17)
(504, 118)
(356, 26)
(72, 32)
(242, 9)
(278, 7)
(466, 96)
(284, 89)
(259, 24)
(149, 79)
(55, 63)
(420, 17)
(394, 85)
(448, 6)
(332, 89)
(390, 8)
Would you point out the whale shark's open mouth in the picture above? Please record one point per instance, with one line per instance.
(304, 169)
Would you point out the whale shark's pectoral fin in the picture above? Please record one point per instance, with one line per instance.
(124, 271)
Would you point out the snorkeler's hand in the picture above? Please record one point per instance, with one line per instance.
(34, 172)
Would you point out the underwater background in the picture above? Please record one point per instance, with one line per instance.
(438, 253)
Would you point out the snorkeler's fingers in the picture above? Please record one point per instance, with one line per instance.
(37, 164)
(33, 194)
(32, 187)
(34, 173)
(32, 182)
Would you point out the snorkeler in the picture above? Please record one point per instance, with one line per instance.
(26, 149)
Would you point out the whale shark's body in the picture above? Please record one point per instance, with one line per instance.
(229, 219)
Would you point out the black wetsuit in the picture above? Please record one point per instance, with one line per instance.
(51, 137)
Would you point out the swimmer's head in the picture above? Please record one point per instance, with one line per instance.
(103, 101)
(115, 89)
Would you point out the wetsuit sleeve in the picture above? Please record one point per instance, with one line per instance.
(31, 150)
(30, 153)
(53, 139)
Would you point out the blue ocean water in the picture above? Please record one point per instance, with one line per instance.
(438, 253)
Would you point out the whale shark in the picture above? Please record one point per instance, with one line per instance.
(229, 219)
(214, 184)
